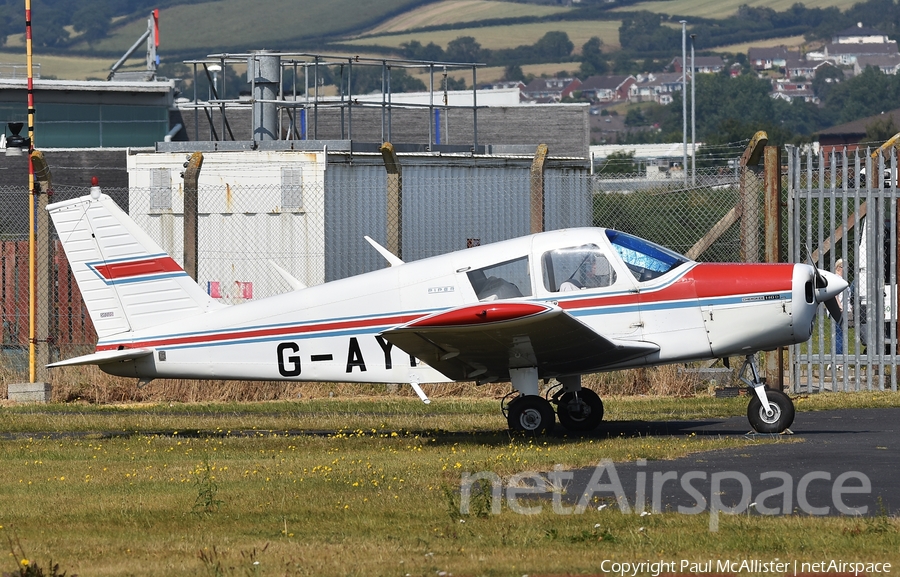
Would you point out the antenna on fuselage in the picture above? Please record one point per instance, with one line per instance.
(392, 259)
(295, 283)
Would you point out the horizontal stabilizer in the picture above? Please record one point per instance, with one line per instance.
(104, 357)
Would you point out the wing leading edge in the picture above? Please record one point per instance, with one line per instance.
(485, 340)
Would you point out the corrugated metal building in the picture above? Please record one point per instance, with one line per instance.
(308, 211)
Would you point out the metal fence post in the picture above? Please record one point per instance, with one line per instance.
(191, 177)
(394, 228)
(773, 208)
(537, 188)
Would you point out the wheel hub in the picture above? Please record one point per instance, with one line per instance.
(530, 419)
(771, 417)
(578, 409)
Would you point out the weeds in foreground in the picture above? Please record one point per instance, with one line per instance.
(206, 502)
(215, 563)
(25, 566)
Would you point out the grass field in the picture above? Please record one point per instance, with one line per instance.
(457, 11)
(196, 490)
(246, 23)
(719, 8)
(791, 42)
(496, 37)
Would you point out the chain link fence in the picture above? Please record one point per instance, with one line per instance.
(259, 239)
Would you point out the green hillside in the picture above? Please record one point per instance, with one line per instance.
(723, 8)
(235, 25)
(498, 37)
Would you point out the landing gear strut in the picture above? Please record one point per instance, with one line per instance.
(769, 411)
(579, 409)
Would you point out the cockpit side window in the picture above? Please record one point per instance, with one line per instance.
(576, 268)
(645, 260)
(505, 280)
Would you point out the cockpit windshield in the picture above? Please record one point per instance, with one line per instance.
(645, 260)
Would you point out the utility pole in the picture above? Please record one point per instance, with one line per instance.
(693, 117)
(684, 95)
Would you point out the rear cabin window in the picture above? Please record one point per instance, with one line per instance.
(505, 280)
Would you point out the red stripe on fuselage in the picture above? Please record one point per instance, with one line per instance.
(705, 280)
(119, 270)
(262, 333)
(714, 279)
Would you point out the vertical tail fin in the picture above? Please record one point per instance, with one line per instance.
(127, 281)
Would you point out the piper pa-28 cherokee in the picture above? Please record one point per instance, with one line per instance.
(557, 305)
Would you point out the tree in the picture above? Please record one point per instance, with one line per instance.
(513, 72)
(367, 79)
(635, 117)
(415, 51)
(882, 129)
(644, 32)
(867, 94)
(465, 49)
(622, 64)
(554, 46)
(827, 76)
(618, 163)
(592, 61)
(92, 19)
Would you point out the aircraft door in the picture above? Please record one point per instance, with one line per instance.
(587, 281)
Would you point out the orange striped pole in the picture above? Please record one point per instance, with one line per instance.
(32, 295)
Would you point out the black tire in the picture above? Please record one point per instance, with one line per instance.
(782, 418)
(581, 414)
(530, 414)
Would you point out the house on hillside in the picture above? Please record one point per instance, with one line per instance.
(655, 87)
(859, 34)
(607, 88)
(887, 63)
(702, 64)
(792, 90)
(847, 54)
(550, 89)
(797, 68)
(768, 58)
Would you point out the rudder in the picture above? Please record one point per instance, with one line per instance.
(126, 280)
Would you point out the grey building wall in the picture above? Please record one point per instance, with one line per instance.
(446, 203)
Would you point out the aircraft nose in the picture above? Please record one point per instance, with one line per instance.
(833, 285)
(827, 287)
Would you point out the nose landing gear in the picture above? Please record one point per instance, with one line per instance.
(769, 411)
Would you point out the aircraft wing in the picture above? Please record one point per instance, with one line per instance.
(104, 357)
(483, 341)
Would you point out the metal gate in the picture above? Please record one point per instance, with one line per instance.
(842, 210)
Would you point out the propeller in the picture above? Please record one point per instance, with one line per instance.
(827, 288)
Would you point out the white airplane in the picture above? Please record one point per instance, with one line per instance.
(557, 305)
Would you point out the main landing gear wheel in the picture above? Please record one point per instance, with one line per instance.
(530, 414)
(781, 417)
(581, 411)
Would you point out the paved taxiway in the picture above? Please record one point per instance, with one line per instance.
(832, 443)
